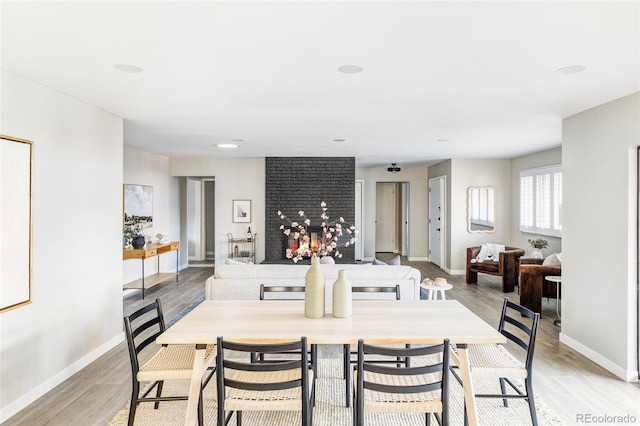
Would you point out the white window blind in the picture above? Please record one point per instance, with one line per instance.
(541, 200)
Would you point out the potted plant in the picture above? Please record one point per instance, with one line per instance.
(537, 245)
(131, 235)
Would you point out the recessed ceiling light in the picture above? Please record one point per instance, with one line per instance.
(227, 145)
(132, 69)
(237, 140)
(443, 140)
(571, 69)
(339, 140)
(350, 69)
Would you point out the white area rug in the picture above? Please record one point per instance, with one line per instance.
(330, 409)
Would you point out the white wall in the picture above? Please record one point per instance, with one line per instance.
(477, 172)
(77, 241)
(437, 170)
(236, 178)
(540, 159)
(418, 207)
(599, 275)
(143, 168)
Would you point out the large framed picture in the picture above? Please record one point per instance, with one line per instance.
(138, 205)
(15, 222)
(242, 211)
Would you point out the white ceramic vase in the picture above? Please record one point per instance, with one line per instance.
(536, 253)
(314, 290)
(342, 299)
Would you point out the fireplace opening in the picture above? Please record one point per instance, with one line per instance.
(289, 242)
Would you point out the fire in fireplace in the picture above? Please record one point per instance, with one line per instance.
(289, 242)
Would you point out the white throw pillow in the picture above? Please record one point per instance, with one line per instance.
(394, 261)
(235, 262)
(552, 260)
(327, 260)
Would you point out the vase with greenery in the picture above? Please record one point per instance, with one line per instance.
(130, 231)
(537, 245)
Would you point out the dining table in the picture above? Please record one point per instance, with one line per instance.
(375, 321)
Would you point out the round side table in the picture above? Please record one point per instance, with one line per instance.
(434, 290)
(558, 280)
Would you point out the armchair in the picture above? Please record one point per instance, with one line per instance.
(507, 267)
(533, 285)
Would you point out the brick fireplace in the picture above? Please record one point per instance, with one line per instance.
(302, 183)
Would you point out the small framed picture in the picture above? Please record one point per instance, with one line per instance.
(242, 211)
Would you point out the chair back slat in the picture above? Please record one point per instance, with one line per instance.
(378, 387)
(373, 367)
(375, 289)
(275, 386)
(279, 289)
(512, 314)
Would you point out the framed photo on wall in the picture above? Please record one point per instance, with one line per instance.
(138, 205)
(15, 222)
(242, 211)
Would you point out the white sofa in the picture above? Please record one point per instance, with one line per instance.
(242, 282)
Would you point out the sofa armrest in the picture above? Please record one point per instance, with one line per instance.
(530, 261)
(509, 260)
(472, 253)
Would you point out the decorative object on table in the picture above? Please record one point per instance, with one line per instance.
(342, 299)
(241, 211)
(327, 260)
(440, 281)
(249, 234)
(537, 245)
(314, 290)
(138, 205)
(235, 251)
(334, 234)
(131, 231)
(162, 238)
(138, 241)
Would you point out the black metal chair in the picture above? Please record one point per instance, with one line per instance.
(422, 388)
(494, 361)
(174, 362)
(348, 352)
(282, 385)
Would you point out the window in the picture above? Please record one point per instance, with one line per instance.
(541, 200)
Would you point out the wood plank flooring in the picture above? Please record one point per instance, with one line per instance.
(568, 383)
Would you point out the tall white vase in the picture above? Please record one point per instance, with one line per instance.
(314, 290)
(342, 297)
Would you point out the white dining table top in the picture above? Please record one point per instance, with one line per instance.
(375, 321)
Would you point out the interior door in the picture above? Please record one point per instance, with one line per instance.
(436, 221)
(385, 217)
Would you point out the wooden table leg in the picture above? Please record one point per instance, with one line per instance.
(467, 383)
(191, 419)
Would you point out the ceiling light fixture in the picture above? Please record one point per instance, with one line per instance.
(227, 145)
(339, 140)
(393, 169)
(131, 69)
(571, 69)
(350, 69)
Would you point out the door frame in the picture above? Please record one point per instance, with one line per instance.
(442, 182)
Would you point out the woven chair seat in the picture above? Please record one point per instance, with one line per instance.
(173, 362)
(279, 400)
(400, 402)
(494, 361)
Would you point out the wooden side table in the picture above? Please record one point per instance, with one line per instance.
(558, 280)
(152, 250)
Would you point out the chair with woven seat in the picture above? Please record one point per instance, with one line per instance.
(174, 362)
(422, 388)
(494, 361)
(349, 352)
(279, 385)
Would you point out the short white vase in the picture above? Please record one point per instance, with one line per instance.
(314, 290)
(536, 253)
(342, 300)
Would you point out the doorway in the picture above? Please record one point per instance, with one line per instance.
(200, 223)
(437, 216)
(392, 218)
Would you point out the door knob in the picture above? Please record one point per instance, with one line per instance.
(437, 229)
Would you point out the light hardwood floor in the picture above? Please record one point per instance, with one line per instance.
(567, 382)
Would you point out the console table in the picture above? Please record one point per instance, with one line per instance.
(151, 250)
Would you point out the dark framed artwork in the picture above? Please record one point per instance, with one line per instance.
(138, 205)
(241, 211)
(15, 222)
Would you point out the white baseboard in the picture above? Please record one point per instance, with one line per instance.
(418, 259)
(14, 407)
(368, 259)
(626, 375)
(181, 267)
(455, 271)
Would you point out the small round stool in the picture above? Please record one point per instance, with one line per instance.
(558, 280)
(434, 290)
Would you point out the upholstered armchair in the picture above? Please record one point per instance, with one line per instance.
(507, 267)
(533, 286)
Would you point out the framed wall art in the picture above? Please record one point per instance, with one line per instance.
(15, 222)
(138, 205)
(242, 211)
